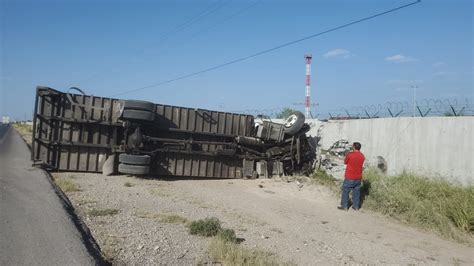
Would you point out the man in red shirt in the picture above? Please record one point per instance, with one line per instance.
(354, 162)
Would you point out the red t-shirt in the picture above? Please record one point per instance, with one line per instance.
(354, 161)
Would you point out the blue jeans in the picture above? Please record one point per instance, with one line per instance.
(347, 186)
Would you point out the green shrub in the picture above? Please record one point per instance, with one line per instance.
(433, 204)
(227, 235)
(205, 227)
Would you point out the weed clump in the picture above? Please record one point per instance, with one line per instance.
(205, 227)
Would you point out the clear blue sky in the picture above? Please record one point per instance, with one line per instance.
(107, 47)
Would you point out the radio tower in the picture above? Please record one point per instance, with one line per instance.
(307, 102)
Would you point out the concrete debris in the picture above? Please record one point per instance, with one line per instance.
(340, 148)
(333, 160)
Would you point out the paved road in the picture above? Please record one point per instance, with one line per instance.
(35, 228)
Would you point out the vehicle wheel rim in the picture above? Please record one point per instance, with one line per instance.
(291, 120)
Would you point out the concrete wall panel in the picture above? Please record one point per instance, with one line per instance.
(431, 146)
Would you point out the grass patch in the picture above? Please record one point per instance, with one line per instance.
(164, 218)
(128, 184)
(224, 248)
(23, 129)
(86, 201)
(172, 219)
(229, 253)
(205, 227)
(160, 192)
(66, 184)
(322, 178)
(103, 212)
(26, 131)
(433, 204)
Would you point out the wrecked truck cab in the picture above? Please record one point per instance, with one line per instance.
(78, 132)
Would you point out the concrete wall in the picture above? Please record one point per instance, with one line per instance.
(431, 146)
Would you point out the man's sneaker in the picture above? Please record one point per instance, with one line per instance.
(355, 209)
(341, 208)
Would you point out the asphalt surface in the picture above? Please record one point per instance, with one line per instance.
(35, 228)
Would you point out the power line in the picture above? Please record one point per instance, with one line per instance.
(268, 50)
(239, 12)
(194, 19)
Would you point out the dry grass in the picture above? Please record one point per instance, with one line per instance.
(429, 203)
(86, 201)
(23, 128)
(26, 131)
(160, 192)
(172, 219)
(109, 246)
(102, 212)
(66, 184)
(128, 184)
(223, 252)
(163, 217)
(224, 248)
(322, 178)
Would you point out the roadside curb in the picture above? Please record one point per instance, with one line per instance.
(88, 240)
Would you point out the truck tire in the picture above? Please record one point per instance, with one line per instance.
(134, 159)
(139, 105)
(137, 115)
(294, 123)
(134, 169)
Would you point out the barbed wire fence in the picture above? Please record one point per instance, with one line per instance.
(421, 108)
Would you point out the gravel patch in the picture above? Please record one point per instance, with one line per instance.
(297, 222)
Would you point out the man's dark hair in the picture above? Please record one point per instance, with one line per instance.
(357, 146)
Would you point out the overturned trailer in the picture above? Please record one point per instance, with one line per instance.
(79, 132)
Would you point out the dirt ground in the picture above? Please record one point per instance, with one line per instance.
(297, 222)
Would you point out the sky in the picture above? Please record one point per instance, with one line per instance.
(107, 47)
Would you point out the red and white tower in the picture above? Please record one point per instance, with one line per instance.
(307, 102)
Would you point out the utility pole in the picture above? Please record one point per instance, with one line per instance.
(414, 100)
(307, 101)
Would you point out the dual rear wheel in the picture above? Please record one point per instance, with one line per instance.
(136, 111)
(134, 164)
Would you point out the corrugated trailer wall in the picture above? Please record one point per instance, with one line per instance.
(214, 125)
(76, 132)
(73, 132)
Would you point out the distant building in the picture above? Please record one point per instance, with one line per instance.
(5, 119)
